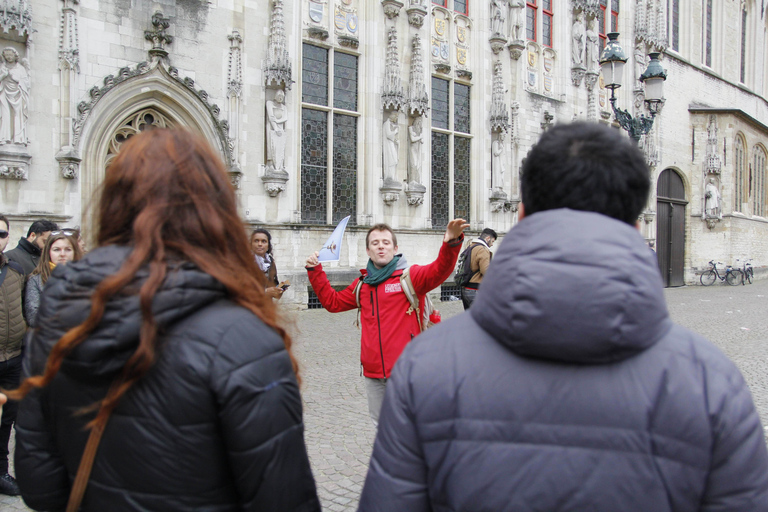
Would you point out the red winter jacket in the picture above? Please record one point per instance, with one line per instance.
(386, 326)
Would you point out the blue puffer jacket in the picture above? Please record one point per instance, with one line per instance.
(567, 387)
(215, 424)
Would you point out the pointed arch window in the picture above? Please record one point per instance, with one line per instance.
(708, 33)
(740, 175)
(759, 189)
(673, 23)
(743, 73)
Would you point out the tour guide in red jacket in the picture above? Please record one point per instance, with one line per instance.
(384, 320)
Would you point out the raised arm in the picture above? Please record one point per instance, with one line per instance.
(429, 277)
(332, 300)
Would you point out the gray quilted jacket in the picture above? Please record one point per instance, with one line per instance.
(32, 293)
(567, 387)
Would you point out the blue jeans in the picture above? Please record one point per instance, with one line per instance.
(10, 376)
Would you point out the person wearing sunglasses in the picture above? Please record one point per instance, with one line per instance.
(60, 249)
(12, 329)
(27, 252)
(162, 354)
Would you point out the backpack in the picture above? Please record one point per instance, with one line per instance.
(425, 317)
(464, 267)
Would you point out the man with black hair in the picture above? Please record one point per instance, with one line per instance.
(567, 386)
(479, 259)
(12, 329)
(27, 252)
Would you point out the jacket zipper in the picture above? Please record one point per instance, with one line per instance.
(378, 324)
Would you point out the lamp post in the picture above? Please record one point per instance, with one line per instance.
(612, 62)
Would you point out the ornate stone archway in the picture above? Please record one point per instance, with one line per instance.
(150, 94)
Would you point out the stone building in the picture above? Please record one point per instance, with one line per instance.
(409, 112)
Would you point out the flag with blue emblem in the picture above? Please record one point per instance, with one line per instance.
(331, 250)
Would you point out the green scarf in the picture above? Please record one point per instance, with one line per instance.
(377, 276)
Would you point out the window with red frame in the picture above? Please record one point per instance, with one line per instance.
(441, 3)
(531, 12)
(607, 21)
(461, 6)
(546, 26)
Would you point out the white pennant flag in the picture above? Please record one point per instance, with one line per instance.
(331, 250)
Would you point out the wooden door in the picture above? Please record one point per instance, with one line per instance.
(670, 227)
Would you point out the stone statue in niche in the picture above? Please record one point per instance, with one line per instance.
(499, 13)
(578, 34)
(390, 147)
(14, 98)
(593, 49)
(711, 199)
(415, 151)
(497, 162)
(277, 117)
(639, 60)
(518, 7)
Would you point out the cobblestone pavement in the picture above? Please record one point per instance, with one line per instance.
(339, 433)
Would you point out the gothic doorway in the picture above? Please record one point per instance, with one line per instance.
(670, 227)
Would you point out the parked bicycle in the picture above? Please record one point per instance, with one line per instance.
(732, 276)
(747, 272)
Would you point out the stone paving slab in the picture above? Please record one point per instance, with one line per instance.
(339, 433)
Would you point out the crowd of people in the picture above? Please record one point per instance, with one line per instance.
(153, 372)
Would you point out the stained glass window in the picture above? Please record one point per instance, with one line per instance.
(461, 166)
(440, 179)
(708, 41)
(319, 177)
(461, 108)
(440, 106)
(674, 29)
(743, 75)
(739, 164)
(344, 81)
(759, 193)
(530, 20)
(314, 75)
(314, 166)
(344, 168)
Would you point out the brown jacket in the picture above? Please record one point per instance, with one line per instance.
(481, 258)
(12, 324)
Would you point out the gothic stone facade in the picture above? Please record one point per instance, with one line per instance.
(409, 112)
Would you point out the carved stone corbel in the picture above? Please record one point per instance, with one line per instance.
(416, 14)
(392, 8)
(577, 74)
(414, 193)
(497, 43)
(390, 191)
(274, 181)
(69, 163)
(516, 49)
(14, 162)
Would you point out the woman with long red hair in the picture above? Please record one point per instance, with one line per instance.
(159, 360)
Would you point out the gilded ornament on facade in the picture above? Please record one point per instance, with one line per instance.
(340, 20)
(532, 59)
(439, 27)
(461, 56)
(461, 34)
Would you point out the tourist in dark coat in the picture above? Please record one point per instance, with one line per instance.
(566, 386)
(163, 335)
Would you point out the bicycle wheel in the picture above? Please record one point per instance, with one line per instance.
(708, 278)
(734, 277)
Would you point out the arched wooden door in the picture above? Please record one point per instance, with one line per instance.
(670, 227)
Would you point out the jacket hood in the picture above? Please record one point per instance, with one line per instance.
(573, 286)
(67, 302)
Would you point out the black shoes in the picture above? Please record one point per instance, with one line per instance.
(9, 486)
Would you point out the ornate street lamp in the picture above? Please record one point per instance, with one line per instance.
(612, 62)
